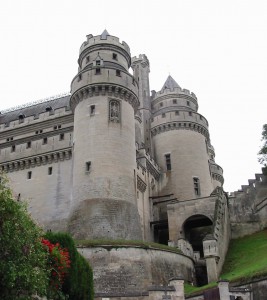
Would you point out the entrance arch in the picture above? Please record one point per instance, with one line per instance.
(195, 228)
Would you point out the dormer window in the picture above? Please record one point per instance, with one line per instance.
(21, 118)
(48, 108)
(98, 62)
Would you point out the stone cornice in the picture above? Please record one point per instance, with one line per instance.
(36, 160)
(185, 125)
(109, 89)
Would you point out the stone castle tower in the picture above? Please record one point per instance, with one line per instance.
(114, 161)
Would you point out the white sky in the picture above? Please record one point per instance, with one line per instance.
(216, 49)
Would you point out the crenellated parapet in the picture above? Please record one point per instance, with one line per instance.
(141, 59)
(216, 172)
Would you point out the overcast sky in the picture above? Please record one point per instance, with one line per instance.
(216, 49)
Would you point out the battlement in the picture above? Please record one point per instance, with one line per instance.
(176, 90)
(142, 58)
(104, 39)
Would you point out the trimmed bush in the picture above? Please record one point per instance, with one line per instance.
(78, 284)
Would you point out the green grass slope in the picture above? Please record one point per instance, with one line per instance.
(246, 259)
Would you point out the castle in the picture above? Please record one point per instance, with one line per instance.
(113, 161)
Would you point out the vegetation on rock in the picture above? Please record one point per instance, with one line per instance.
(263, 151)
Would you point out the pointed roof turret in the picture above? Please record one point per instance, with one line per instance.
(104, 35)
(170, 83)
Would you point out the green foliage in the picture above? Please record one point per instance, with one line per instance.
(246, 258)
(125, 243)
(263, 151)
(78, 283)
(23, 260)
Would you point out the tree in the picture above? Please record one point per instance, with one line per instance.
(263, 151)
(23, 261)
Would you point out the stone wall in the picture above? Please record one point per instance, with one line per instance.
(122, 271)
(248, 207)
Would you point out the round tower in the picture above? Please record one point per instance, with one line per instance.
(104, 99)
(181, 142)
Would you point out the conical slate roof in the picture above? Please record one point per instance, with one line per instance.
(104, 35)
(170, 83)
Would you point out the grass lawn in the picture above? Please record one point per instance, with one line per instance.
(246, 259)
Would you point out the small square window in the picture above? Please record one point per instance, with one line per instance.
(174, 101)
(61, 137)
(50, 171)
(115, 56)
(88, 166)
(190, 113)
(36, 132)
(92, 110)
(177, 112)
(41, 131)
(13, 148)
(29, 175)
(55, 127)
(29, 144)
(118, 73)
(97, 71)
(44, 140)
(59, 126)
(87, 59)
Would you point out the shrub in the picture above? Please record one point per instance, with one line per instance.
(78, 283)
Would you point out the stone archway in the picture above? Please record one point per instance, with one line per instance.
(195, 228)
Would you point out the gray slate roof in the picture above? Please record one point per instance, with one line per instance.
(170, 83)
(34, 109)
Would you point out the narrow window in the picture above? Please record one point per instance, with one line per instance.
(196, 186)
(200, 117)
(29, 144)
(92, 110)
(41, 131)
(97, 71)
(161, 104)
(36, 132)
(118, 73)
(168, 162)
(87, 59)
(55, 127)
(29, 175)
(11, 139)
(174, 101)
(163, 115)
(50, 170)
(79, 77)
(59, 126)
(115, 56)
(190, 113)
(177, 112)
(88, 166)
(7, 139)
(13, 148)
(61, 137)
(44, 140)
(188, 103)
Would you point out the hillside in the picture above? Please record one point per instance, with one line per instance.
(246, 259)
